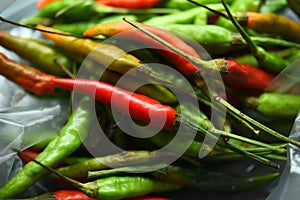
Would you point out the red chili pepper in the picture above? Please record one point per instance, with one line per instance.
(246, 77)
(185, 66)
(30, 152)
(42, 3)
(134, 4)
(27, 77)
(71, 195)
(140, 106)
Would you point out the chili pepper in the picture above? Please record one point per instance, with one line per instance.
(130, 3)
(80, 170)
(85, 10)
(56, 151)
(63, 195)
(108, 55)
(30, 152)
(38, 52)
(268, 60)
(183, 5)
(25, 76)
(42, 3)
(271, 23)
(140, 105)
(246, 77)
(151, 90)
(184, 17)
(118, 187)
(295, 6)
(183, 64)
(276, 105)
(273, 6)
(219, 41)
(80, 27)
(238, 6)
(210, 180)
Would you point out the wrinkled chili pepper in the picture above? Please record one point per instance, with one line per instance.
(80, 170)
(211, 181)
(67, 142)
(38, 52)
(26, 76)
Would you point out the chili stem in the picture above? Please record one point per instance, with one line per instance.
(256, 123)
(252, 45)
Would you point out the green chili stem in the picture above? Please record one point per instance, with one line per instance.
(256, 123)
(252, 45)
(231, 147)
(247, 140)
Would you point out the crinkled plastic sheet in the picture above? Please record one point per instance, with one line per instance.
(26, 119)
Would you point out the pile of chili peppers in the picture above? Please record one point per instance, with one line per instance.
(247, 42)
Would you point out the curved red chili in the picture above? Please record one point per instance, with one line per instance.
(134, 4)
(246, 77)
(110, 29)
(139, 106)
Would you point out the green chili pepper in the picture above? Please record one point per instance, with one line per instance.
(46, 56)
(276, 105)
(57, 150)
(184, 5)
(131, 186)
(184, 17)
(80, 27)
(275, 6)
(80, 170)
(210, 180)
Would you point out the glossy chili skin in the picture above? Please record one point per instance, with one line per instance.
(57, 150)
(183, 64)
(130, 3)
(46, 56)
(247, 77)
(118, 187)
(26, 76)
(108, 55)
(139, 106)
(276, 105)
(211, 181)
(63, 195)
(271, 23)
